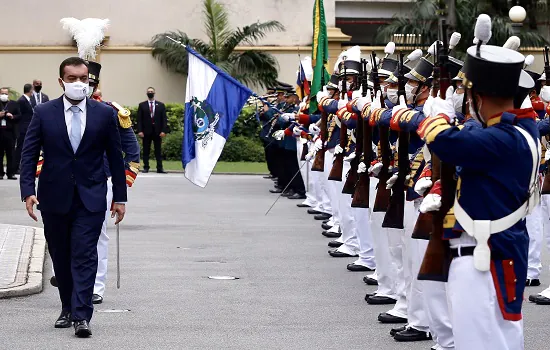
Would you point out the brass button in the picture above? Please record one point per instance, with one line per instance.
(514, 298)
(511, 263)
(515, 280)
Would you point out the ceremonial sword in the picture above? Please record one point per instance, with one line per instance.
(118, 255)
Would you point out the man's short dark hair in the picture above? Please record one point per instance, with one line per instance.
(5, 88)
(71, 61)
(27, 88)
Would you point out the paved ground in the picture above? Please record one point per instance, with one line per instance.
(291, 294)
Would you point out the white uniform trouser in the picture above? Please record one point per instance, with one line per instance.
(398, 250)
(437, 310)
(306, 173)
(316, 188)
(364, 237)
(347, 218)
(386, 271)
(475, 314)
(331, 188)
(103, 246)
(538, 226)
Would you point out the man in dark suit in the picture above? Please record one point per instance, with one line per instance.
(152, 126)
(75, 133)
(26, 115)
(37, 96)
(9, 117)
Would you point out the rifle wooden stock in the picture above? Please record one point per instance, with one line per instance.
(338, 165)
(361, 197)
(319, 161)
(395, 214)
(305, 151)
(352, 178)
(383, 194)
(423, 227)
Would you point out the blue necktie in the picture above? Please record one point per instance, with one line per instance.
(75, 135)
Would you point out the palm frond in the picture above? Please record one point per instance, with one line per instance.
(254, 68)
(249, 35)
(217, 26)
(174, 56)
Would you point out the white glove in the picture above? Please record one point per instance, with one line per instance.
(432, 202)
(296, 131)
(362, 101)
(441, 106)
(342, 104)
(422, 185)
(376, 103)
(375, 169)
(314, 129)
(361, 168)
(310, 155)
(449, 93)
(338, 150)
(545, 93)
(318, 145)
(357, 93)
(279, 135)
(428, 106)
(391, 181)
(547, 155)
(288, 116)
(302, 104)
(350, 157)
(322, 93)
(402, 105)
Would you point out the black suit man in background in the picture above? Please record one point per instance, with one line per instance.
(152, 127)
(37, 96)
(26, 110)
(9, 117)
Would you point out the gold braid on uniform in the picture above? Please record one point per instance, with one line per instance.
(415, 167)
(331, 126)
(123, 115)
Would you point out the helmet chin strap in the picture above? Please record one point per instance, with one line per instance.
(477, 115)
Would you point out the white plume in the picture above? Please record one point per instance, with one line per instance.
(512, 43)
(455, 39)
(390, 48)
(483, 28)
(413, 56)
(529, 60)
(431, 50)
(88, 34)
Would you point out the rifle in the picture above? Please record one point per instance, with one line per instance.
(362, 190)
(338, 164)
(546, 182)
(437, 259)
(382, 200)
(319, 161)
(396, 210)
(352, 179)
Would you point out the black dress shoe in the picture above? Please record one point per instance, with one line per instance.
(313, 212)
(302, 205)
(64, 320)
(97, 299)
(369, 295)
(325, 226)
(276, 190)
(370, 281)
(322, 216)
(297, 196)
(336, 254)
(288, 193)
(329, 234)
(12, 177)
(379, 300)
(532, 283)
(161, 171)
(394, 331)
(411, 334)
(145, 171)
(533, 297)
(53, 281)
(387, 318)
(355, 268)
(334, 244)
(540, 300)
(82, 329)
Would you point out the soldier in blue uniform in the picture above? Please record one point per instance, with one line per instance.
(496, 189)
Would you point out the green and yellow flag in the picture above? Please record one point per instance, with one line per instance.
(319, 56)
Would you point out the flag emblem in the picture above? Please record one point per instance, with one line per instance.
(206, 121)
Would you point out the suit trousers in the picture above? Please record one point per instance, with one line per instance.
(18, 148)
(292, 170)
(269, 149)
(7, 147)
(157, 142)
(72, 242)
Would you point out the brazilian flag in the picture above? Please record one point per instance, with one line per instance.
(319, 56)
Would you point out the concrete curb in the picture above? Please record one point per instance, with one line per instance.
(35, 271)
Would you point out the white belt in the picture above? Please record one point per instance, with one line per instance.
(337, 121)
(481, 230)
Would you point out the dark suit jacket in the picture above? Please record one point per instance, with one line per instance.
(26, 114)
(144, 122)
(45, 99)
(64, 169)
(11, 124)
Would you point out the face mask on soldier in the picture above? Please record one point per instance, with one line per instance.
(458, 101)
(410, 92)
(392, 95)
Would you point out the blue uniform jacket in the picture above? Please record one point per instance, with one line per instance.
(494, 176)
(288, 142)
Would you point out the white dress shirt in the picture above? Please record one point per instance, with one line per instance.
(37, 97)
(27, 97)
(69, 115)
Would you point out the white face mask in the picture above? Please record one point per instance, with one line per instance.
(76, 91)
(4, 98)
(458, 101)
(392, 96)
(410, 92)
(348, 85)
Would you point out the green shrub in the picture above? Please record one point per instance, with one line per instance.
(242, 149)
(171, 146)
